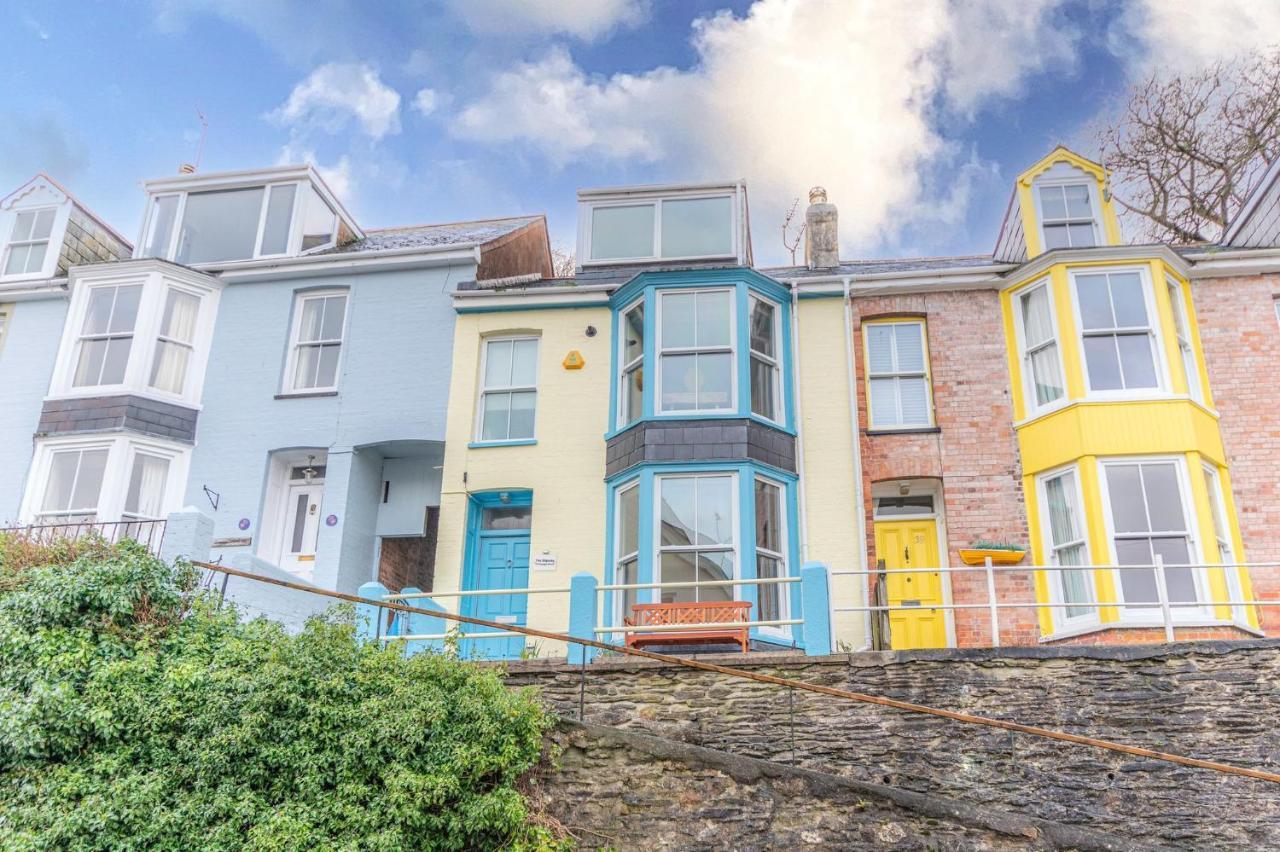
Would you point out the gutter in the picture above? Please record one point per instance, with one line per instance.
(1225, 262)
(803, 503)
(331, 264)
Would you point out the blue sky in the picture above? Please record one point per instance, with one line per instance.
(916, 115)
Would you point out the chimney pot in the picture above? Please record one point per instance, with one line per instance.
(186, 169)
(822, 232)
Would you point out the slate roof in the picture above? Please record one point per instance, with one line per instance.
(879, 267)
(434, 236)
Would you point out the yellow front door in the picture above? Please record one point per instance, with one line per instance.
(912, 544)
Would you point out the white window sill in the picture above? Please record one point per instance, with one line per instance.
(308, 394)
(1098, 627)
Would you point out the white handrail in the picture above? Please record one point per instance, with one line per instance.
(975, 569)
(474, 593)
(712, 625)
(695, 584)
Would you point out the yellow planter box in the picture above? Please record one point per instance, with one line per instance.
(978, 556)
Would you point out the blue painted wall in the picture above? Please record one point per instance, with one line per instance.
(26, 366)
(394, 387)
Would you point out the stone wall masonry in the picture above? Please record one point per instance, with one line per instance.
(1213, 700)
(624, 790)
(700, 440)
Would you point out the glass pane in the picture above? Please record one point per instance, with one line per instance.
(910, 347)
(43, 226)
(1179, 582)
(677, 320)
(1074, 584)
(1126, 295)
(89, 365)
(317, 220)
(1062, 522)
(629, 521)
(16, 263)
(633, 334)
(23, 224)
(1078, 206)
(495, 417)
(713, 317)
(762, 389)
(1095, 303)
(890, 507)
(715, 510)
(1164, 500)
(880, 348)
(1037, 325)
(275, 231)
(299, 523)
(1052, 203)
(715, 381)
(697, 227)
(145, 496)
(522, 415)
(768, 516)
(1046, 374)
(1082, 235)
(169, 372)
(35, 256)
(677, 507)
(62, 476)
(628, 573)
(679, 383)
(769, 596)
(884, 403)
(713, 567)
(1137, 586)
(93, 463)
(335, 314)
(633, 394)
(677, 568)
(915, 401)
(125, 313)
(1103, 362)
(507, 518)
(1135, 360)
(1124, 489)
(1056, 236)
(312, 319)
(218, 226)
(116, 360)
(497, 364)
(162, 217)
(762, 328)
(524, 363)
(327, 368)
(180, 312)
(622, 232)
(305, 373)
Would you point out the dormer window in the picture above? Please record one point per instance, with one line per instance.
(696, 223)
(29, 241)
(1067, 216)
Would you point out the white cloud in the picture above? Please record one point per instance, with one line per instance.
(336, 93)
(584, 19)
(338, 176)
(795, 93)
(1184, 36)
(426, 101)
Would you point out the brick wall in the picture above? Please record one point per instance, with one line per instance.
(974, 450)
(410, 560)
(1241, 340)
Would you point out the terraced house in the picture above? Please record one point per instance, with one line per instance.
(1085, 421)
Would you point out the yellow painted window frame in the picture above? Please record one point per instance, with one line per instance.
(928, 371)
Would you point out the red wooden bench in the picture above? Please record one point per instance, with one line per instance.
(730, 613)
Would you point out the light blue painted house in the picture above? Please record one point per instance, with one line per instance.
(261, 358)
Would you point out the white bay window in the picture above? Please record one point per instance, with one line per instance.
(661, 223)
(1117, 335)
(106, 337)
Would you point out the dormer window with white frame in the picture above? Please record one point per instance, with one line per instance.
(662, 223)
(29, 241)
(1068, 215)
(213, 220)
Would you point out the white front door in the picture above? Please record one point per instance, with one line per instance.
(301, 525)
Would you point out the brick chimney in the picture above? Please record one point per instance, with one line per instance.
(822, 232)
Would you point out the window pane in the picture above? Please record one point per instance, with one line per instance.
(16, 263)
(42, 228)
(915, 401)
(299, 523)
(1046, 374)
(145, 497)
(1095, 303)
(762, 389)
(524, 363)
(629, 521)
(23, 225)
(1052, 204)
(697, 227)
(93, 463)
(1135, 359)
(180, 312)
(713, 313)
(163, 214)
(715, 381)
(880, 348)
(1082, 235)
(677, 506)
(1179, 582)
(679, 381)
(910, 347)
(677, 568)
(1077, 196)
(1164, 500)
(1124, 489)
(1126, 295)
(884, 403)
(116, 360)
(712, 567)
(762, 328)
(318, 220)
(1037, 323)
(218, 226)
(312, 319)
(892, 507)
(305, 373)
(169, 372)
(335, 314)
(677, 320)
(1062, 521)
(1056, 236)
(628, 574)
(507, 518)
(633, 394)
(522, 410)
(497, 365)
(622, 232)
(1103, 363)
(89, 365)
(633, 334)
(275, 231)
(327, 369)
(62, 476)
(768, 516)
(1137, 586)
(125, 313)
(715, 510)
(495, 417)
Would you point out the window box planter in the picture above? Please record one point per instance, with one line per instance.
(979, 555)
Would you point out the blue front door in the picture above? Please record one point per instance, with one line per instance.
(502, 562)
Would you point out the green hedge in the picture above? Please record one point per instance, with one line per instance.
(136, 715)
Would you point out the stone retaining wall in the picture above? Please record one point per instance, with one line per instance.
(1218, 700)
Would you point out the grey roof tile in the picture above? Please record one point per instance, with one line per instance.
(889, 266)
(431, 236)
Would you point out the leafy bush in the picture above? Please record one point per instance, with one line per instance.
(136, 715)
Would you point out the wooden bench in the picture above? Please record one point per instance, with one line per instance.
(730, 613)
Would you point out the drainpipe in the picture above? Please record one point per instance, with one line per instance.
(795, 385)
(860, 516)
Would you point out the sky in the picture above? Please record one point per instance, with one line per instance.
(915, 115)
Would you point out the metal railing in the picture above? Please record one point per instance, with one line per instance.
(407, 597)
(1172, 613)
(148, 533)
(696, 585)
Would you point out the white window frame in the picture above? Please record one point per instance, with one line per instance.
(482, 389)
(773, 361)
(1223, 538)
(6, 320)
(731, 349)
(735, 526)
(1155, 336)
(655, 198)
(784, 559)
(926, 374)
(620, 598)
(1057, 588)
(81, 337)
(1182, 336)
(1033, 408)
(1151, 616)
(1094, 208)
(300, 298)
(121, 450)
(55, 230)
(626, 367)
